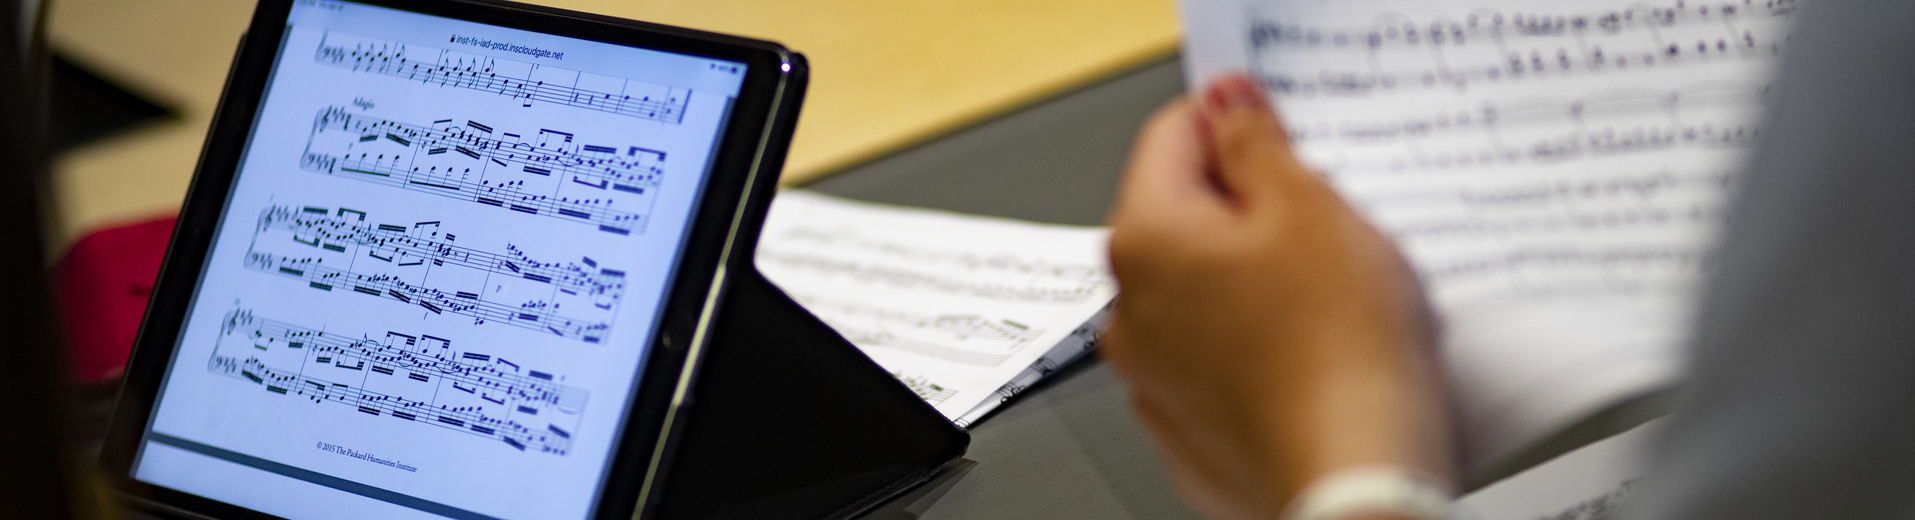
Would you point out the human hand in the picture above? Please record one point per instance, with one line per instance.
(1270, 336)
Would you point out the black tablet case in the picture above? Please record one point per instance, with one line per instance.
(787, 419)
(792, 421)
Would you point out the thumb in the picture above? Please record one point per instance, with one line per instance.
(1250, 147)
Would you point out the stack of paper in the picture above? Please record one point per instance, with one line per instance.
(966, 310)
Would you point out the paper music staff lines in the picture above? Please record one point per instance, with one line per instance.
(1532, 112)
(1488, 47)
(980, 340)
(1534, 63)
(546, 174)
(1003, 277)
(1491, 27)
(525, 82)
(418, 264)
(417, 378)
(1603, 141)
(1609, 186)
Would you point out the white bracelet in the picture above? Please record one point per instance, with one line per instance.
(1373, 490)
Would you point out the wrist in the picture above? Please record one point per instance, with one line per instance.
(1358, 410)
(1371, 493)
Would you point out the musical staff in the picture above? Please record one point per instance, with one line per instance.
(1494, 26)
(523, 82)
(342, 250)
(1644, 217)
(548, 173)
(1569, 145)
(906, 277)
(894, 264)
(417, 378)
(1539, 130)
(1597, 190)
(1538, 112)
(962, 338)
(1488, 46)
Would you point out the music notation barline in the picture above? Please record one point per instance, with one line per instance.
(509, 78)
(418, 378)
(535, 313)
(591, 184)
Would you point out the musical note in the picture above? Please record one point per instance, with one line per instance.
(343, 250)
(523, 82)
(931, 392)
(549, 174)
(417, 378)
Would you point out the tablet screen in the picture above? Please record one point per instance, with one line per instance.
(439, 270)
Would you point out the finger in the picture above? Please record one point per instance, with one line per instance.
(1251, 149)
(1164, 194)
(1168, 159)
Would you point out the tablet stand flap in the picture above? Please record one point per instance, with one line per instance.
(789, 420)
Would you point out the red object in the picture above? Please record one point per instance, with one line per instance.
(103, 284)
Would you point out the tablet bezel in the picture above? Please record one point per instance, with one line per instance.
(725, 222)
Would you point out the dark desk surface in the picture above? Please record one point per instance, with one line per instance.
(1070, 448)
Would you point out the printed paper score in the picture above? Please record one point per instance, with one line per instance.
(966, 310)
(1556, 171)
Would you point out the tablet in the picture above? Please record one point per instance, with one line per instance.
(447, 259)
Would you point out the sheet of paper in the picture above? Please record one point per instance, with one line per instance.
(1555, 170)
(1079, 343)
(1588, 483)
(966, 310)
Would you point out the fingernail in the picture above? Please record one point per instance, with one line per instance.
(1235, 92)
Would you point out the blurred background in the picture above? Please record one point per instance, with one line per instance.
(885, 74)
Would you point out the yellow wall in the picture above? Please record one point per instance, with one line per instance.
(885, 73)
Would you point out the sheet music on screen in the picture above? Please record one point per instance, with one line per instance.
(438, 270)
